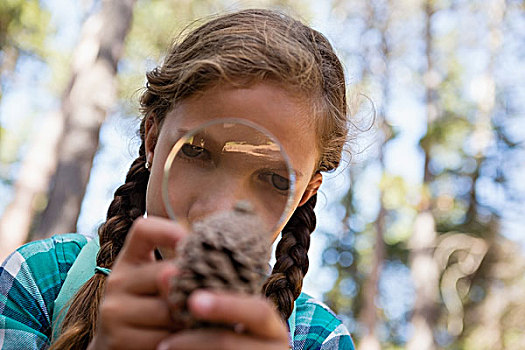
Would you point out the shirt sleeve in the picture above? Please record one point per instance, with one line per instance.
(318, 328)
(30, 279)
(338, 339)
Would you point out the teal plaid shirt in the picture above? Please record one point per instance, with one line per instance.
(31, 278)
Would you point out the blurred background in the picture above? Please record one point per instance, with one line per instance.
(420, 241)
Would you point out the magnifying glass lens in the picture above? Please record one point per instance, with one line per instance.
(228, 165)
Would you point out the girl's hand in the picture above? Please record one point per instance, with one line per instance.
(133, 314)
(256, 324)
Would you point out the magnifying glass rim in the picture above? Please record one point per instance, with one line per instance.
(180, 142)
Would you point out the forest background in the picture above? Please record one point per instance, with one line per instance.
(420, 241)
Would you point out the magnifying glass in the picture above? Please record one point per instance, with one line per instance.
(225, 165)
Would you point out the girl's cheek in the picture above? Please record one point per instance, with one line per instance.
(154, 204)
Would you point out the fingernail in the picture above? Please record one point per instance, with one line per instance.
(203, 300)
(171, 270)
(163, 346)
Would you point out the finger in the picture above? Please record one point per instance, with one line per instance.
(130, 338)
(135, 311)
(147, 234)
(165, 279)
(255, 314)
(201, 339)
(147, 279)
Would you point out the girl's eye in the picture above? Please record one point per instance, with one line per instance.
(192, 151)
(280, 182)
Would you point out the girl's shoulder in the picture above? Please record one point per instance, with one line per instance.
(41, 256)
(30, 280)
(41, 264)
(318, 327)
(67, 241)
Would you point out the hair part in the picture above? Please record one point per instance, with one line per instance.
(238, 49)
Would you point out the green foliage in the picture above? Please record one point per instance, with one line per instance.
(23, 25)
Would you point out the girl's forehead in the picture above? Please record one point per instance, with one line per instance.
(287, 117)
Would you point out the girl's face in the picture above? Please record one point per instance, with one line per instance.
(266, 104)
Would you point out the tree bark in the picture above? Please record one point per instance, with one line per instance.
(31, 185)
(423, 267)
(86, 102)
(369, 314)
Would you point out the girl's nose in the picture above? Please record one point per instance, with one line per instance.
(218, 196)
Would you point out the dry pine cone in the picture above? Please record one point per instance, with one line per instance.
(226, 251)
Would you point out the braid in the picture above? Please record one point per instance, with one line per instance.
(286, 281)
(128, 204)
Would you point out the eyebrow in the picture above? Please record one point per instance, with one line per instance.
(183, 131)
(282, 167)
(180, 132)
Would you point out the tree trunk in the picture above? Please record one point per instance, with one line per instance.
(425, 277)
(31, 185)
(86, 102)
(368, 316)
(423, 267)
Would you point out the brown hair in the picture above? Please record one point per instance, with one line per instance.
(240, 49)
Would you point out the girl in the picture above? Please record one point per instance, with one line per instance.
(258, 65)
